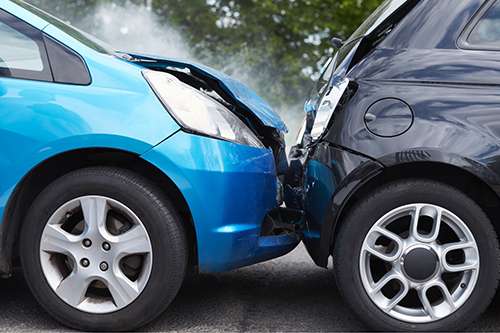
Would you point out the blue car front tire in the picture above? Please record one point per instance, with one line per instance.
(103, 249)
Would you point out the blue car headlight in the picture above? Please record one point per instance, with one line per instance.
(197, 112)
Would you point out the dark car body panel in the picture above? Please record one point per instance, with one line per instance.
(454, 96)
(433, 24)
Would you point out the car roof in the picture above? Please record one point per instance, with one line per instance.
(18, 9)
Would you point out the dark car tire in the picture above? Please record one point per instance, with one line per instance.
(161, 221)
(360, 219)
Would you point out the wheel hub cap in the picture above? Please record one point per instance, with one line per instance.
(96, 254)
(420, 264)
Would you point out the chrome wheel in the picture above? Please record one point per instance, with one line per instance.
(96, 254)
(419, 263)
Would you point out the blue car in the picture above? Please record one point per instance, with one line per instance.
(119, 173)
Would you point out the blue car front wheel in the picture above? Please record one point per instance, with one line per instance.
(103, 249)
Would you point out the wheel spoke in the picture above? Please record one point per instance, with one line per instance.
(422, 295)
(405, 288)
(431, 212)
(134, 241)
(447, 297)
(467, 266)
(414, 222)
(384, 302)
(95, 210)
(471, 257)
(121, 288)
(73, 288)
(56, 240)
(379, 250)
(437, 311)
(388, 277)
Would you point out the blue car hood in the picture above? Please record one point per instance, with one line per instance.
(235, 89)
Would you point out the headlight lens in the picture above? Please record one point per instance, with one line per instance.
(198, 112)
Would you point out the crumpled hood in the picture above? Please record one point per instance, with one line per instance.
(235, 89)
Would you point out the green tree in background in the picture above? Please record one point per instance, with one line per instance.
(281, 43)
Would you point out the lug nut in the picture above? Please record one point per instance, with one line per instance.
(85, 262)
(106, 246)
(87, 242)
(103, 266)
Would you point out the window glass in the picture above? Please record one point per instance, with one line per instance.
(326, 74)
(487, 30)
(22, 50)
(18, 51)
(67, 66)
(386, 9)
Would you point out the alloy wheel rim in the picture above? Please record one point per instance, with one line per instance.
(419, 263)
(96, 254)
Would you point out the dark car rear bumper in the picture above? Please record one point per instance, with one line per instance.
(321, 181)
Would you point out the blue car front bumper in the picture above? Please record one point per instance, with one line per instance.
(229, 188)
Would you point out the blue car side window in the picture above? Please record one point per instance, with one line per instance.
(67, 65)
(26, 53)
(23, 53)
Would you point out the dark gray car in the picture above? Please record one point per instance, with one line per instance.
(398, 164)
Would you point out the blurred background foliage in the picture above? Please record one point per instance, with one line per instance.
(279, 44)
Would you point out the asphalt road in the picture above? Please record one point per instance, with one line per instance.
(287, 294)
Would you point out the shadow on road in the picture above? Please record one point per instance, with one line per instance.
(287, 294)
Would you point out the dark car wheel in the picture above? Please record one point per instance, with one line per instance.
(103, 249)
(417, 255)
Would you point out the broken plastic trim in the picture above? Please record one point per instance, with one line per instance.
(283, 221)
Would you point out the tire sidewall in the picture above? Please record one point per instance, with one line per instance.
(364, 216)
(164, 230)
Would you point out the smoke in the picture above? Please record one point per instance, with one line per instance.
(133, 28)
(136, 29)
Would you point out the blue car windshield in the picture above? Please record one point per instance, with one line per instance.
(79, 35)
